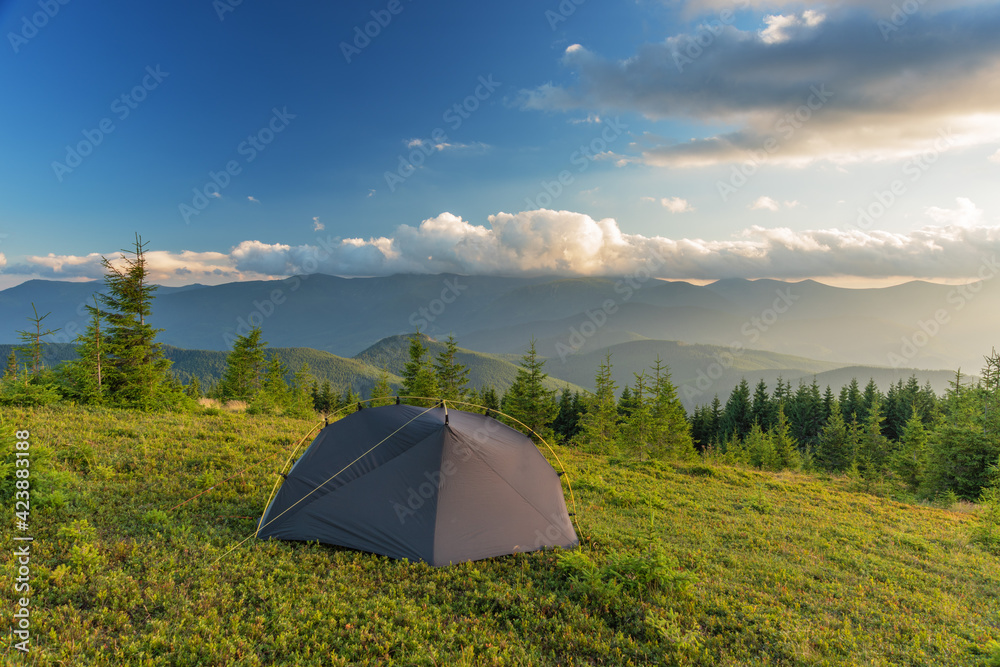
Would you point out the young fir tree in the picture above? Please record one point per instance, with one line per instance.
(419, 378)
(874, 448)
(736, 418)
(598, 425)
(381, 393)
(488, 398)
(566, 424)
(786, 453)
(757, 449)
(32, 341)
(636, 434)
(671, 435)
(451, 375)
(84, 376)
(273, 383)
(193, 388)
(244, 372)
(761, 409)
(10, 372)
(909, 461)
(528, 400)
(832, 450)
(138, 373)
(300, 402)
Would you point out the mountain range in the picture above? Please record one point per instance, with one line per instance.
(709, 335)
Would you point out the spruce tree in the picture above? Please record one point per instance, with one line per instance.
(84, 376)
(32, 341)
(909, 461)
(736, 418)
(566, 424)
(419, 379)
(598, 428)
(138, 373)
(671, 435)
(786, 454)
(528, 400)
(381, 393)
(832, 451)
(244, 372)
(762, 410)
(636, 434)
(451, 375)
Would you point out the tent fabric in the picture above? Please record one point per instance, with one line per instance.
(408, 482)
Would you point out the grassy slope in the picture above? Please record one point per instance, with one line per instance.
(791, 570)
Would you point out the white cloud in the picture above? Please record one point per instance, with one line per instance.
(995, 157)
(955, 246)
(317, 225)
(253, 199)
(782, 28)
(764, 203)
(676, 205)
(3, 261)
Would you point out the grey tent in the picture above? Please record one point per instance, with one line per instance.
(441, 486)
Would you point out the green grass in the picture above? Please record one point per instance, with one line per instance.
(690, 563)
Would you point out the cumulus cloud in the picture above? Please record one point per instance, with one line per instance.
(764, 203)
(540, 242)
(781, 28)
(317, 225)
(676, 205)
(807, 87)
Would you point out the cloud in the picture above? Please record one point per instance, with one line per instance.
(428, 147)
(764, 204)
(995, 157)
(371, 192)
(3, 261)
(781, 28)
(835, 86)
(317, 225)
(253, 199)
(550, 242)
(677, 205)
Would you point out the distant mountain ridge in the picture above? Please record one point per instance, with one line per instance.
(916, 324)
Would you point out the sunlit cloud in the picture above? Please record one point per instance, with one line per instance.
(545, 242)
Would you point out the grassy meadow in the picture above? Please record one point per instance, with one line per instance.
(686, 564)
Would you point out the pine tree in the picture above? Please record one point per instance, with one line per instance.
(598, 424)
(850, 401)
(757, 448)
(419, 379)
(273, 383)
(244, 372)
(381, 393)
(527, 399)
(488, 398)
(138, 373)
(451, 375)
(300, 402)
(193, 388)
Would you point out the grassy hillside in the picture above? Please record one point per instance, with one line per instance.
(750, 568)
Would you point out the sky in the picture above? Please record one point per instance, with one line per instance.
(857, 143)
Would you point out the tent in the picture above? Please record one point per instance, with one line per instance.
(437, 485)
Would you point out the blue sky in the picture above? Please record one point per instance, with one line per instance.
(852, 142)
